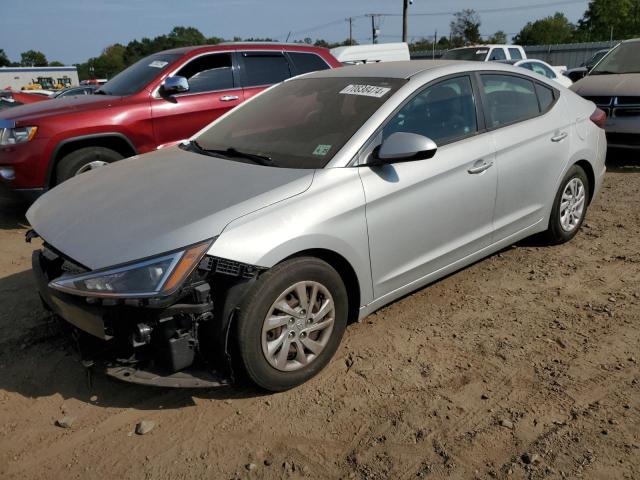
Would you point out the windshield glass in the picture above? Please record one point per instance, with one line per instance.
(473, 53)
(138, 75)
(300, 123)
(623, 59)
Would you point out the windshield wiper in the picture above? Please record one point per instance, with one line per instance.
(232, 152)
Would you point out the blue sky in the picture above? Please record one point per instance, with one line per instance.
(73, 30)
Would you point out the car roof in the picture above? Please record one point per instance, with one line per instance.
(405, 69)
(248, 45)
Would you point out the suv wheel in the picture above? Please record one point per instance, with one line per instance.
(83, 160)
(291, 323)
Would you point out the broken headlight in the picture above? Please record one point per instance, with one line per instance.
(158, 276)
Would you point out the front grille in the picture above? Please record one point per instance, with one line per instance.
(630, 139)
(601, 101)
(635, 101)
(626, 112)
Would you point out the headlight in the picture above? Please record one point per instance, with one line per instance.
(159, 276)
(11, 136)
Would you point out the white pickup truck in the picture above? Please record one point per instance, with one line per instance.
(486, 53)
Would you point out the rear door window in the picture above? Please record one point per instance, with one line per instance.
(508, 99)
(307, 62)
(263, 68)
(515, 54)
(209, 73)
(497, 54)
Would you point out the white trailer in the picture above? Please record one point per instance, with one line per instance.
(382, 52)
(17, 77)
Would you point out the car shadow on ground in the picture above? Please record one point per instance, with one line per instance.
(623, 161)
(37, 359)
(12, 211)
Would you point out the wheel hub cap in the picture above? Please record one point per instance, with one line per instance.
(298, 326)
(572, 205)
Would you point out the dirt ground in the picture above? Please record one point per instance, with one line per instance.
(525, 365)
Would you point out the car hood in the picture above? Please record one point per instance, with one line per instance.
(158, 202)
(55, 106)
(627, 84)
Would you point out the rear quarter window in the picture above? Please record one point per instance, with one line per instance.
(307, 62)
(546, 97)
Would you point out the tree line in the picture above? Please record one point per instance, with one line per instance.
(602, 20)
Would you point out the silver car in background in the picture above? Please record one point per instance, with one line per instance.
(246, 250)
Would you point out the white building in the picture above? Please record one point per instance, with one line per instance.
(18, 77)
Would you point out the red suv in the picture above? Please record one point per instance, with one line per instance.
(158, 101)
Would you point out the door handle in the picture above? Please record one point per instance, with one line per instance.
(559, 137)
(228, 98)
(480, 168)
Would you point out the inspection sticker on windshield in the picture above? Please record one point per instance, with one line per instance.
(322, 150)
(158, 64)
(365, 90)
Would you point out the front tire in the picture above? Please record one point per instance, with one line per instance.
(569, 206)
(83, 160)
(291, 322)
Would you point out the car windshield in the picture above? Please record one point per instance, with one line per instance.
(623, 59)
(473, 53)
(301, 123)
(138, 75)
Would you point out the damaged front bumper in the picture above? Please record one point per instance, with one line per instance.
(167, 342)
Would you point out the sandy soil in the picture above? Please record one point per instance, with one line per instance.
(525, 365)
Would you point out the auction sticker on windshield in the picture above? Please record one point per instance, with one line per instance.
(365, 90)
(158, 64)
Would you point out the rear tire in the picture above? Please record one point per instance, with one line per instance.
(280, 350)
(84, 159)
(569, 206)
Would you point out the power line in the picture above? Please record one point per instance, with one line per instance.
(517, 8)
(492, 10)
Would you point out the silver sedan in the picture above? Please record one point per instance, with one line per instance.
(245, 251)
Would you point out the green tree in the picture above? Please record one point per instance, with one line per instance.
(33, 58)
(56, 63)
(4, 60)
(546, 31)
(498, 37)
(185, 37)
(465, 27)
(606, 18)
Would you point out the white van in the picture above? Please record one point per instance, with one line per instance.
(486, 53)
(382, 52)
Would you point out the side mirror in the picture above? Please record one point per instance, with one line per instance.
(173, 85)
(404, 147)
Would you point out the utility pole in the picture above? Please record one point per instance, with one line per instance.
(374, 31)
(433, 47)
(350, 20)
(405, 8)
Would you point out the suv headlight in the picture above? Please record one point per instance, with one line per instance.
(158, 276)
(11, 136)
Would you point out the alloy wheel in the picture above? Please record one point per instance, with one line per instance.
(298, 326)
(572, 205)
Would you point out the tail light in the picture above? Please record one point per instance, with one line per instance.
(599, 117)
